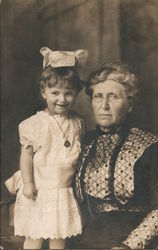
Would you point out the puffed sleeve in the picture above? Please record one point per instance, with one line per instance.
(28, 133)
(147, 231)
(81, 124)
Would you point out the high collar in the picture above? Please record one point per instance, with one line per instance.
(91, 136)
(123, 130)
(109, 132)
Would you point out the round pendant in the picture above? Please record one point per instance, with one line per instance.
(67, 144)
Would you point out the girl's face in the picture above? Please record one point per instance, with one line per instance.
(59, 99)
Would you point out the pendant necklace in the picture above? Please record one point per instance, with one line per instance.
(67, 143)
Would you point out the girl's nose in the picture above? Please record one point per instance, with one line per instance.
(62, 98)
(105, 103)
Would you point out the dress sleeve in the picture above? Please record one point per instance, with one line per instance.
(81, 124)
(27, 133)
(147, 231)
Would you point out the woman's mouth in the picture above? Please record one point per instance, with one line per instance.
(105, 115)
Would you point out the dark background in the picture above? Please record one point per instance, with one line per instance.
(112, 30)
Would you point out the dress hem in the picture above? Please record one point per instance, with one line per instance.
(48, 237)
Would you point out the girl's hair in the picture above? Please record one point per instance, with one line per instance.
(61, 76)
(119, 73)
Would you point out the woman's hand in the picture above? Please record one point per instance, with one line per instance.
(29, 190)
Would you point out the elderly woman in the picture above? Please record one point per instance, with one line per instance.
(117, 178)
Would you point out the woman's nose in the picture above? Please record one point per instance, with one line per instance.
(105, 103)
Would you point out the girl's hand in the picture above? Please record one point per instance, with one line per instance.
(118, 248)
(121, 247)
(29, 190)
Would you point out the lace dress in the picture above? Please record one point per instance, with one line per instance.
(55, 211)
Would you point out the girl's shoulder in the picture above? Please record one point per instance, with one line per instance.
(74, 115)
(32, 121)
(79, 120)
(33, 130)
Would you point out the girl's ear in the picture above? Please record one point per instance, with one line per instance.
(43, 94)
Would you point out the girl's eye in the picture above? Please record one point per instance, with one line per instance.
(54, 93)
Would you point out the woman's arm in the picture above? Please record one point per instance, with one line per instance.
(147, 231)
(26, 164)
(144, 233)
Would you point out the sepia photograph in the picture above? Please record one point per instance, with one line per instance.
(79, 124)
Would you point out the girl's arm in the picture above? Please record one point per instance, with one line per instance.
(26, 164)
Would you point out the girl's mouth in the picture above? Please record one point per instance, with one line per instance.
(62, 105)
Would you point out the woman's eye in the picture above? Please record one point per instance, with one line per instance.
(98, 97)
(113, 97)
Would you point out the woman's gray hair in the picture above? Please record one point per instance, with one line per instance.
(119, 73)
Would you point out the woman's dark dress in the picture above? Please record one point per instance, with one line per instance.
(117, 187)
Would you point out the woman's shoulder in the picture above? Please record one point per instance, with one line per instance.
(140, 144)
(143, 136)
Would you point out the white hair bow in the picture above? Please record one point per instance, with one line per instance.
(58, 59)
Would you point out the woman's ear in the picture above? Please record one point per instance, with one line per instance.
(77, 93)
(130, 104)
(130, 108)
(89, 99)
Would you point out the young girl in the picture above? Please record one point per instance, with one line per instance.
(50, 145)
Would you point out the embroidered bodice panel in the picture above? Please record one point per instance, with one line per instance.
(100, 181)
(98, 174)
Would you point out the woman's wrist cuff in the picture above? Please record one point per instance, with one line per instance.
(125, 246)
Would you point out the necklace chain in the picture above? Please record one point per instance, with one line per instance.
(67, 143)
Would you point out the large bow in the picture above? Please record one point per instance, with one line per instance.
(58, 59)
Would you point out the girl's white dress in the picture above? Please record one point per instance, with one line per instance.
(55, 212)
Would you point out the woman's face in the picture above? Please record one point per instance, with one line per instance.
(110, 104)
